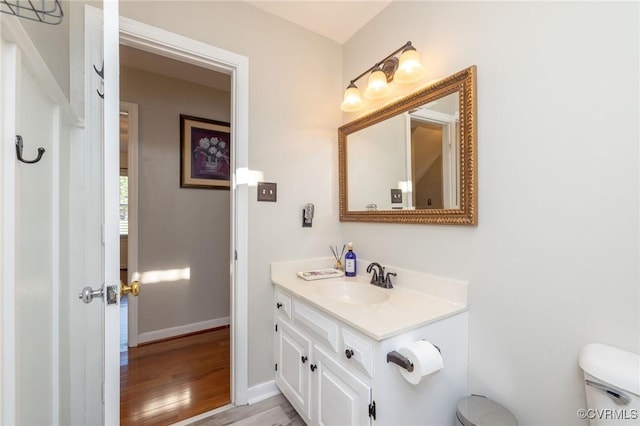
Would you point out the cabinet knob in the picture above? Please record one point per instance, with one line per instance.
(278, 305)
(304, 359)
(313, 367)
(348, 353)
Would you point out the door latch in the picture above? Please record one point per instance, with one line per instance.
(88, 294)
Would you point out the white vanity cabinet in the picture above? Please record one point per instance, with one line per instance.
(334, 374)
(340, 397)
(309, 369)
(292, 367)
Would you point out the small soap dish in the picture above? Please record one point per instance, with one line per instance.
(320, 274)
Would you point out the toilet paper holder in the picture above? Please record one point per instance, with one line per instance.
(401, 360)
(397, 358)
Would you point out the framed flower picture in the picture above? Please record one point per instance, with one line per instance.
(205, 153)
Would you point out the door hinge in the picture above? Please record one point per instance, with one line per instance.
(235, 255)
(372, 410)
(276, 366)
(276, 328)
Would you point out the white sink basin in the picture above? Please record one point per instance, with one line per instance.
(352, 292)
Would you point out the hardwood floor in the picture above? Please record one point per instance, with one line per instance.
(173, 380)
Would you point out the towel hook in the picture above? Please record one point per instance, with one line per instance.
(100, 73)
(19, 152)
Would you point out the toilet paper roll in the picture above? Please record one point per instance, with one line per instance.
(426, 360)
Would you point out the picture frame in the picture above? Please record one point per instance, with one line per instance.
(205, 153)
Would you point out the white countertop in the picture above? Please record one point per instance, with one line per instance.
(408, 306)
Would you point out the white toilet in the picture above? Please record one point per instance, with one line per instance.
(612, 383)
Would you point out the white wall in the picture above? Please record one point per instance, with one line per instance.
(295, 85)
(45, 36)
(554, 261)
(178, 227)
(36, 287)
(36, 108)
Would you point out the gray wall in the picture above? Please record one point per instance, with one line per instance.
(178, 227)
(554, 261)
(294, 97)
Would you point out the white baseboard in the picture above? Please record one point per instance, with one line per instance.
(262, 391)
(182, 329)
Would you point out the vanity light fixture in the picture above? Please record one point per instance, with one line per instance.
(378, 87)
(407, 69)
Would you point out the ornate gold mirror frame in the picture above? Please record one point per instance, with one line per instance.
(464, 83)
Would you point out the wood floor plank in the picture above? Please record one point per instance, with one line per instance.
(239, 415)
(173, 380)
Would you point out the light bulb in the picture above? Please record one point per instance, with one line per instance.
(377, 87)
(410, 68)
(352, 101)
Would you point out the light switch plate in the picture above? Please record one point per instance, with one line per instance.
(396, 196)
(267, 191)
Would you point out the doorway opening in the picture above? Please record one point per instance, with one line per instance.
(165, 43)
(182, 366)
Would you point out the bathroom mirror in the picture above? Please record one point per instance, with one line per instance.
(413, 161)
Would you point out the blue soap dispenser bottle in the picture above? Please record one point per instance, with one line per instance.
(350, 262)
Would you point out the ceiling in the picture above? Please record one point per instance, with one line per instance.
(150, 62)
(336, 20)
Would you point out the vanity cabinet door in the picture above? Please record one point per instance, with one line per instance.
(340, 397)
(292, 367)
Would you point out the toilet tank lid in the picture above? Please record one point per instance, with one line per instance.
(615, 366)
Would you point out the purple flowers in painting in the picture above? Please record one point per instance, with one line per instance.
(210, 151)
(205, 153)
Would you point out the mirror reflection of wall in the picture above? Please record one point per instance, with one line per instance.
(376, 164)
(418, 147)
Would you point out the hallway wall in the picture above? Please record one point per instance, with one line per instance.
(185, 229)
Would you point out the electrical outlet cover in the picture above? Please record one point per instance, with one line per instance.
(267, 191)
(396, 196)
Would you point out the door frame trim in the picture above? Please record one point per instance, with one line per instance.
(158, 41)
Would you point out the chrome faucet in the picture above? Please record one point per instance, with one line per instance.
(378, 278)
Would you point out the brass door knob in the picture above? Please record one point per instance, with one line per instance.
(132, 289)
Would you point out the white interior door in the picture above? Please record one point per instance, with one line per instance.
(111, 173)
(100, 214)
